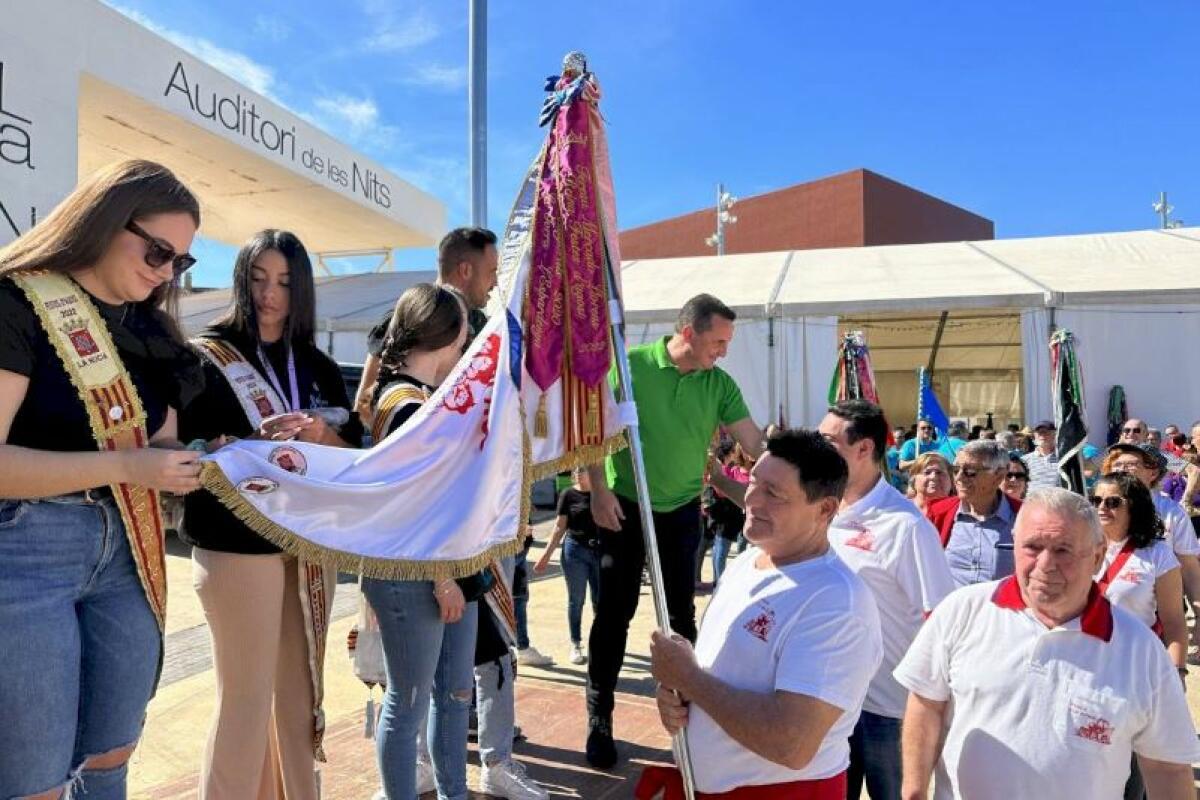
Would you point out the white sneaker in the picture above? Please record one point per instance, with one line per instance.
(577, 654)
(425, 779)
(380, 794)
(530, 657)
(508, 780)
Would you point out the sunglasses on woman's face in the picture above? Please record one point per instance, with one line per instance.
(1112, 502)
(159, 252)
(1017, 476)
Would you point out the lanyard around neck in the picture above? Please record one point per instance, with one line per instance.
(269, 369)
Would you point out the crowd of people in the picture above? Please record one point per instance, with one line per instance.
(937, 613)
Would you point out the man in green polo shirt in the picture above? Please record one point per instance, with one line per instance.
(682, 398)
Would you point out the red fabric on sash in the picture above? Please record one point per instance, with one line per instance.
(668, 781)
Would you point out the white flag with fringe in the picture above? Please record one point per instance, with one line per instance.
(449, 490)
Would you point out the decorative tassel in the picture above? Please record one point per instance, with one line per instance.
(592, 427)
(541, 420)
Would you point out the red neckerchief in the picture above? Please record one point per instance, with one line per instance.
(1114, 569)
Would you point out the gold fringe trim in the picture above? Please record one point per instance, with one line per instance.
(215, 481)
(581, 457)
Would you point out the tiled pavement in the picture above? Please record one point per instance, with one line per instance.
(550, 706)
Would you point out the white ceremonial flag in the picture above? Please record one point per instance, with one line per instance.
(446, 492)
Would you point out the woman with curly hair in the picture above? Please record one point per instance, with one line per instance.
(1140, 572)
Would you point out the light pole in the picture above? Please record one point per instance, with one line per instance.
(477, 109)
(725, 202)
(1164, 209)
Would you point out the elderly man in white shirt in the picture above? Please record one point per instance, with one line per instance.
(787, 648)
(888, 543)
(1036, 686)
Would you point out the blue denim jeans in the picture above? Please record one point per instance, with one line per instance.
(79, 645)
(518, 573)
(721, 548)
(581, 568)
(424, 658)
(875, 758)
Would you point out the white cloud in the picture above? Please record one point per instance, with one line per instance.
(436, 76)
(391, 33)
(258, 77)
(357, 114)
(274, 28)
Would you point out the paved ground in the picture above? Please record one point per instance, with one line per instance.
(550, 706)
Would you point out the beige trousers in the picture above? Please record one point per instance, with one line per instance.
(260, 743)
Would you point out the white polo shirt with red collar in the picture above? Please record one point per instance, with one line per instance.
(807, 628)
(1045, 712)
(1132, 587)
(897, 553)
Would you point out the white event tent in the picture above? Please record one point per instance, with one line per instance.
(1132, 300)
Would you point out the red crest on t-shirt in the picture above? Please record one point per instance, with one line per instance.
(760, 627)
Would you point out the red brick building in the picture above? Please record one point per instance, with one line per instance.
(853, 209)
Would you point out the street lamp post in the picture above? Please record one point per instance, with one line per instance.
(725, 203)
(1164, 209)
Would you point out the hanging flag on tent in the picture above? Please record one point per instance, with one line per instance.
(928, 407)
(853, 378)
(1118, 412)
(1067, 392)
(449, 490)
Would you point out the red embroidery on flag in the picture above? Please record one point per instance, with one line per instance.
(481, 373)
(1099, 731)
(760, 627)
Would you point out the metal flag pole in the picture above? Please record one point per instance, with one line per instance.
(679, 743)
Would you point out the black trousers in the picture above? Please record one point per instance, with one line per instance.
(622, 556)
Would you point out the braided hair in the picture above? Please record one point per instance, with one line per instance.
(427, 317)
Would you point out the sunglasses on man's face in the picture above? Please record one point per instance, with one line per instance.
(1131, 430)
(159, 252)
(1112, 502)
(967, 472)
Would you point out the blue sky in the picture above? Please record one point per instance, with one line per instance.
(1049, 118)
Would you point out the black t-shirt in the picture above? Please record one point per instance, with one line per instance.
(207, 523)
(52, 417)
(576, 506)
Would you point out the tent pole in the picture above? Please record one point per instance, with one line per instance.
(683, 757)
(937, 343)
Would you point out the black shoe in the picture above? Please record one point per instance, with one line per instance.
(601, 751)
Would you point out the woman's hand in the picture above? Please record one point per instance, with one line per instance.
(284, 427)
(542, 563)
(318, 431)
(174, 471)
(450, 600)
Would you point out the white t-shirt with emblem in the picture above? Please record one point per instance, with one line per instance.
(897, 553)
(1045, 712)
(809, 628)
(1178, 525)
(1133, 587)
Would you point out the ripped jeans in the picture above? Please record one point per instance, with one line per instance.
(423, 657)
(79, 646)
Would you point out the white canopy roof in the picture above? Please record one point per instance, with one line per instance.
(1116, 268)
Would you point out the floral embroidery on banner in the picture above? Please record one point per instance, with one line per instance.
(480, 374)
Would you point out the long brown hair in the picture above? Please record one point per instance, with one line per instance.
(427, 317)
(79, 231)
